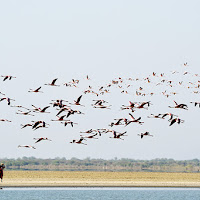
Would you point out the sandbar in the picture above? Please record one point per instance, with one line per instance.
(98, 179)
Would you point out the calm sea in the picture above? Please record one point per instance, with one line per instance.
(100, 193)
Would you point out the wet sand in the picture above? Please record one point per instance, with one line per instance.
(98, 179)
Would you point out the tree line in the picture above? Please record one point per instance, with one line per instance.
(91, 164)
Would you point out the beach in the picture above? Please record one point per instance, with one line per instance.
(98, 179)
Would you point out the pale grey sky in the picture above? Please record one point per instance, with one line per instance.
(43, 40)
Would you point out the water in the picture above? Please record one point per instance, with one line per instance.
(100, 193)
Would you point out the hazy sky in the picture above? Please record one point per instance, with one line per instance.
(43, 40)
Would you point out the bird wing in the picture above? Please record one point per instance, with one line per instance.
(69, 113)
(114, 133)
(34, 107)
(60, 112)
(172, 122)
(38, 139)
(78, 100)
(131, 116)
(36, 124)
(37, 89)
(43, 110)
(123, 133)
(53, 82)
(175, 102)
(62, 117)
(164, 115)
(5, 78)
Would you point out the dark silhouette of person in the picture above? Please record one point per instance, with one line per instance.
(2, 166)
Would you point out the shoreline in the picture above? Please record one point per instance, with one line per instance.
(77, 179)
(98, 187)
(137, 185)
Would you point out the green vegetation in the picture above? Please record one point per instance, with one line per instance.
(88, 164)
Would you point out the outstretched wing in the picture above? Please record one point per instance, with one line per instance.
(172, 122)
(37, 89)
(78, 100)
(175, 102)
(121, 134)
(131, 116)
(44, 109)
(53, 82)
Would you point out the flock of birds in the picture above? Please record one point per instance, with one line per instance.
(134, 87)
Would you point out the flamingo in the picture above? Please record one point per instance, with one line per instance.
(69, 122)
(8, 77)
(182, 106)
(133, 120)
(19, 106)
(196, 103)
(34, 126)
(170, 116)
(155, 116)
(36, 90)
(88, 131)
(7, 99)
(40, 139)
(118, 136)
(77, 102)
(143, 104)
(116, 123)
(27, 146)
(24, 113)
(79, 141)
(102, 106)
(25, 125)
(144, 134)
(90, 136)
(43, 110)
(35, 108)
(176, 120)
(59, 103)
(59, 118)
(53, 82)
(62, 110)
(5, 120)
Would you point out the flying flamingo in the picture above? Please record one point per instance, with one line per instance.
(36, 90)
(27, 146)
(183, 106)
(90, 136)
(69, 122)
(7, 99)
(26, 125)
(60, 118)
(144, 134)
(77, 102)
(133, 120)
(53, 82)
(118, 136)
(196, 103)
(35, 125)
(43, 110)
(79, 141)
(40, 139)
(5, 120)
(176, 120)
(24, 113)
(8, 77)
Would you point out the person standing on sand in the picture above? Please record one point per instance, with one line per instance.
(2, 166)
